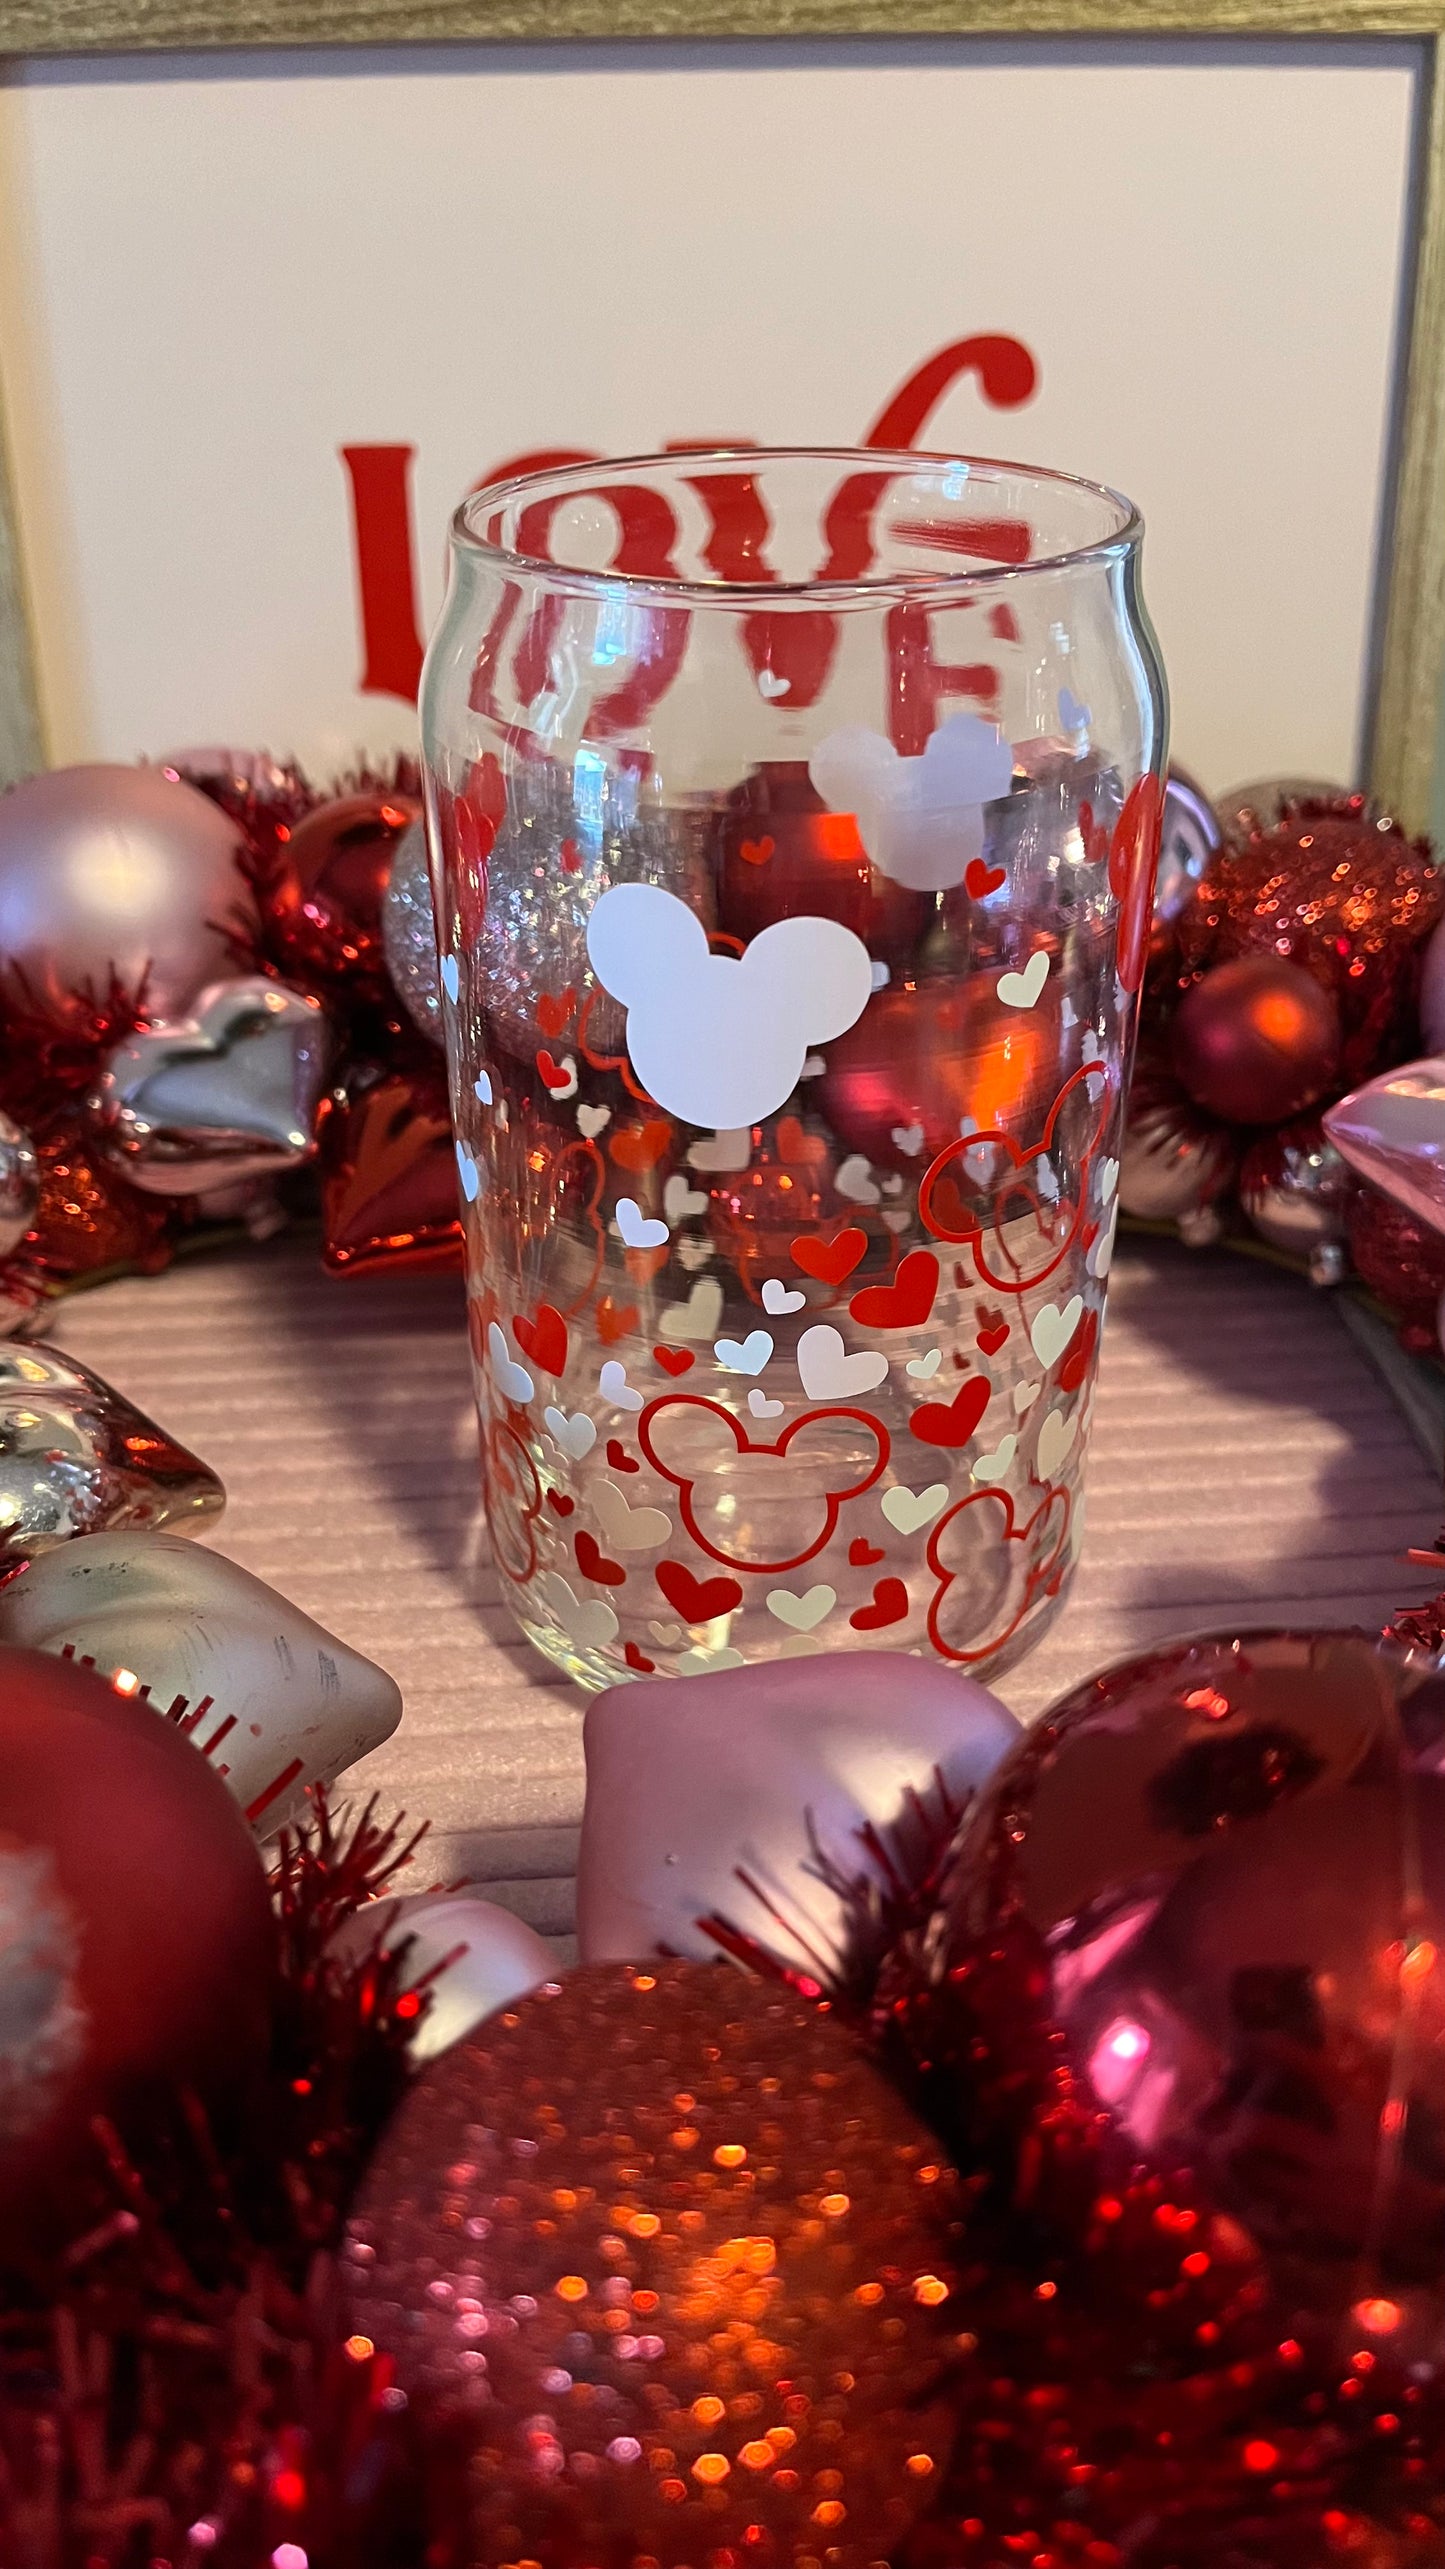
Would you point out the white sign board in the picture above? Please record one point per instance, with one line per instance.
(264, 319)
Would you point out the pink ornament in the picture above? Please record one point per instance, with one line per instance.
(753, 1772)
(1393, 1132)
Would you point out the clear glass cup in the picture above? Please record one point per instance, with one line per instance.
(793, 819)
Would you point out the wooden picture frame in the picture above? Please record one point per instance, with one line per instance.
(1405, 721)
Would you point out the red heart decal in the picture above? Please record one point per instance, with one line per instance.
(559, 1503)
(906, 1301)
(593, 1563)
(620, 1461)
(862, 1553)
(992, 1331)
(951, 1422)
(890, 1605)
(551, 1075)
(980, 878)
(569, 856)
(615, 1320)
(514, 1502)
(961, 1554)
(831, 1261)
(640, 1146)
(756, 851)
(696, 1600)
(943, 1211)
(1080, 1349)
(797, 1148)
(1133, 863)
(543, 1338)
(674, 1360)
(635, 1659)
(554, 1014)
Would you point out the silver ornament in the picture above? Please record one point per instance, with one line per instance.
(19, 1186)
(115, 869)
(472, 1956)
(559, 849)
(1175, 1161)
(276, 1702)
(227, 1094)
(1295, 1187)
(409, 933)
(76, 1456)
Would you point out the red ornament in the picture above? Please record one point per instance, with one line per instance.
(662, 2265)
(1336, 888)
(389, 1176)
(1256, 1041)
(755, 1214)
(324, 905)
(1400, 1261)
(924, 1056)
(136, 1945)
(88, 1219)
(784, 854)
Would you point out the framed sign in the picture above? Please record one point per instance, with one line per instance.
(269, 308)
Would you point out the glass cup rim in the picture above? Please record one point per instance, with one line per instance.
(560, 480)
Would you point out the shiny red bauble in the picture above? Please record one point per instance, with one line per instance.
(136, 1942)
(926, 1056)
(324, 909)
(1256, 1040)
(785, 855)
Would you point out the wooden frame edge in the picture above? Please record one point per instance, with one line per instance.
(1401, 751)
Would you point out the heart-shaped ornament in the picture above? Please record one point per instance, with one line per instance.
(226, 1094)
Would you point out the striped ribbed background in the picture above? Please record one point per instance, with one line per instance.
(1247, 1463)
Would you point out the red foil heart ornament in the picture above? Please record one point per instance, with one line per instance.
(389, 1176)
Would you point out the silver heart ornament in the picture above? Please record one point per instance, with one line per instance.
(718, 1797)
(274, 1701)
(469, 1954)
(228, 1093)
(76, 1457)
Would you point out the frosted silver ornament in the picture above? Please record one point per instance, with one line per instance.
(273, 1700)
(1189, 840)
(409, 933)
(472, 1955)
(227, 1093)
(77, 1457)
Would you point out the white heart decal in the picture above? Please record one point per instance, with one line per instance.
(908, 1139)
(994, 1466)
(451, 977)
(1055, 1438)
(1025, 1395)
(1108, 1179)
(698, 1317)
(592, 1120)
(482, 1088)
(511, 1379)
(827, 1371)
(679, 1199)
(576, 1435)
(746, 1356)
(1051, 1329)
(923, 1368)
(778, 1299)
(628, 1529)
(638, 1230)
(1021, 989)
(762, 1407)
(897, 1222)
(801, 1614)
(771, 685)
(854, 1179)
(701, 1663)
(723, 1153)
(908, 1510)
(468, 1172)
(613, 1384)
(720, 1039)
(1101, 1256)
(587, 1621)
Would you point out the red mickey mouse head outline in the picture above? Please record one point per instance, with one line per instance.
(685, 1483)
(1013, 1532)
(512, 1471)
(972, 1234)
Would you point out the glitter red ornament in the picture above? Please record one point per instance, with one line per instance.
(136, 1942)
(1400, 1260)
(324, 903)
(1337, 888)
(662, 2265)
(1256, 1040)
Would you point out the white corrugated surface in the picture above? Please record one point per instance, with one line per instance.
(1246, 1462)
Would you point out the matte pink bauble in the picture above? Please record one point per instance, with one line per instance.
(115, 869)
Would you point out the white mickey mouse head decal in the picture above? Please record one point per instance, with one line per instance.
(921, 819)
(720, 1040)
